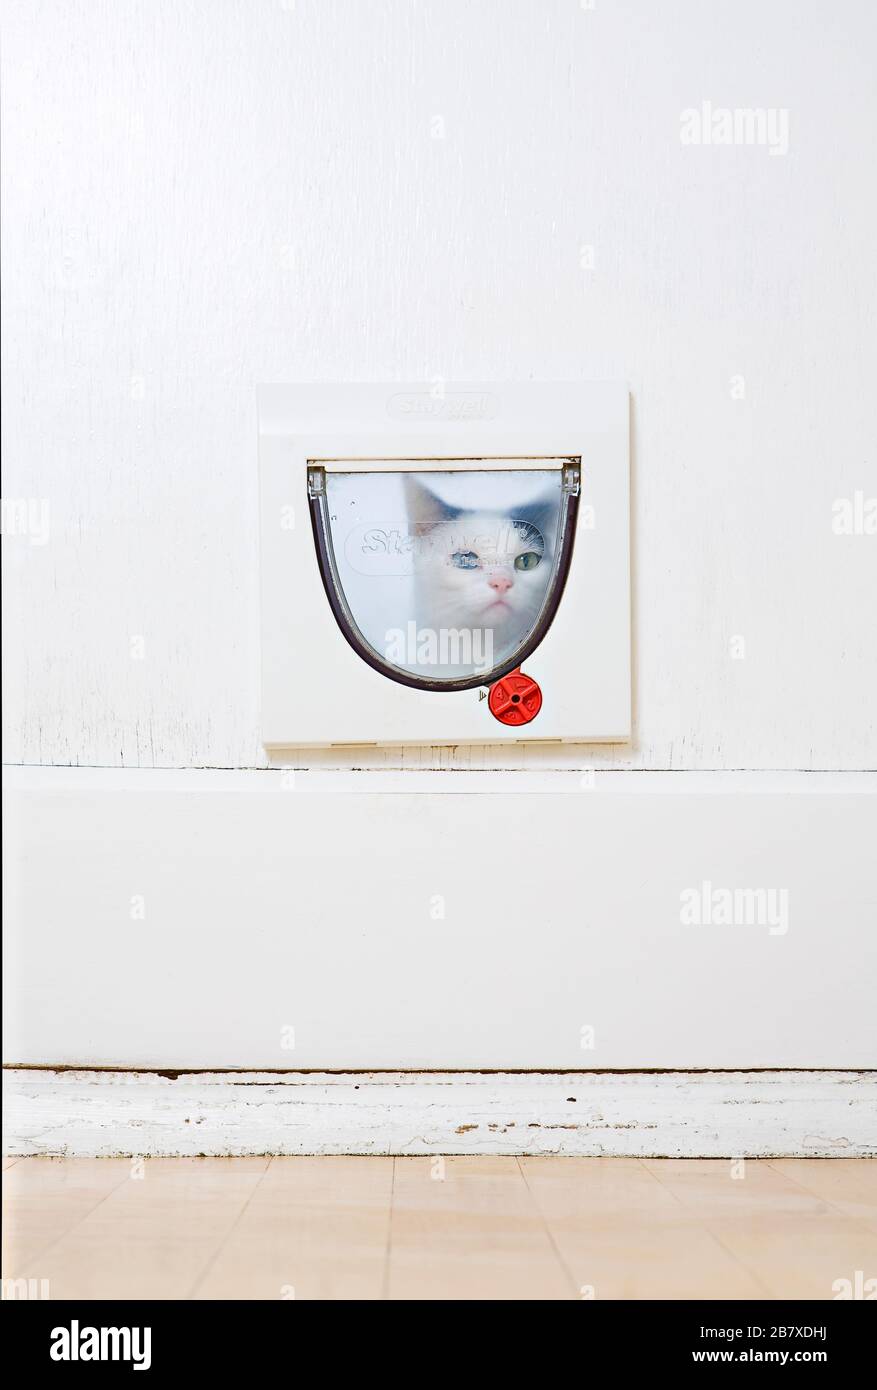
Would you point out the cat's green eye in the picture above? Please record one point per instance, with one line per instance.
(465, 559)
(528, 561)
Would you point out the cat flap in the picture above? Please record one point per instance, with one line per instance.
(444, 577)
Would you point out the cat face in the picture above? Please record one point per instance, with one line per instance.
(478, 569)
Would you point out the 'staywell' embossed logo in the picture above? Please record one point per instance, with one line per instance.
(446, 405)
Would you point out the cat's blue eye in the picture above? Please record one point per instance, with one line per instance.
(465, 559)
(528, 561)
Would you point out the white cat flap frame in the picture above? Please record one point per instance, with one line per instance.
(520, 510)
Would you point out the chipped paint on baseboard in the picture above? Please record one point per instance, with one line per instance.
(817, 1114)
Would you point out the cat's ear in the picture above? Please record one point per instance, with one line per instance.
(542, 513)
(425, 509)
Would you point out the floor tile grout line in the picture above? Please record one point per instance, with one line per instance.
(385, 1277)
(117, 1187)
(199, 1278)
(817, 1196)
(705, 1226)
(567, 1272)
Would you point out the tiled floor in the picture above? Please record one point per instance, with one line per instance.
(459, 1228)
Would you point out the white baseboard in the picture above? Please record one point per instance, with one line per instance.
(676, 1114)
(200, 920)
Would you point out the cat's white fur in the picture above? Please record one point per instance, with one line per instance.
(493, 595)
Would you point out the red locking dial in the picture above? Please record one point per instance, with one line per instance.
(516, 699)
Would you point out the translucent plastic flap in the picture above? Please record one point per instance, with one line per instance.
(444, 579)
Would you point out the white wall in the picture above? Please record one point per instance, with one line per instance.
(221, 919)
(198, 197)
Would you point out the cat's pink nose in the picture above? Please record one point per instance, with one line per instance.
(500, 583)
